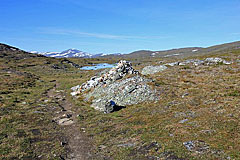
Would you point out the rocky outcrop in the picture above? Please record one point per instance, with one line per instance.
(197, 62)
(113, 90)
(216, 60)
(70, 62)
(153, 69)
(125, 92)
(121, 70)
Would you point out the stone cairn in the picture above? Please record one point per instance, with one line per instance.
(121, 70)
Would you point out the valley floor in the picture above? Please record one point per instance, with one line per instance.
(196, 117)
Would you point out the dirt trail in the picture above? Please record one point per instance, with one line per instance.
(77, 143)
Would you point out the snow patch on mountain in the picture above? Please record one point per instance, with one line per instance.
(72, 53)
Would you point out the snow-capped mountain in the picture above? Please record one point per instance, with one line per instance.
(68, 53)
(72, 53)
(105, 54)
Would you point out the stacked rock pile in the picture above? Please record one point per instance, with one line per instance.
(111, 91)
(121, 70)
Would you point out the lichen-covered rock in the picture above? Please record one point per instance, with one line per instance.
(153, 69)
(125, 92)
(113, 91)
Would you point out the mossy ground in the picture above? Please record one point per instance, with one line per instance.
(207, 96)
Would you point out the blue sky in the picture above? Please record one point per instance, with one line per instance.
(112, 26)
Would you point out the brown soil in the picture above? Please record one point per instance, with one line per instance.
(77, 144)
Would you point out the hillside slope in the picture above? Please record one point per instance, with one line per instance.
(9, 52)
(195, 116)
(184, 52)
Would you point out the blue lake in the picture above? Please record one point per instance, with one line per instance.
(98, 66)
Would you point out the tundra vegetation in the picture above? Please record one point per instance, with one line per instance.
(196, 114)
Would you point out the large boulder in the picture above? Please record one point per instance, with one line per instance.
(129, 91)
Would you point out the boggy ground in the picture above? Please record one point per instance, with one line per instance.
(196, 117)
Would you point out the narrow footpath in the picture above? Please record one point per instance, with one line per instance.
(79, 146)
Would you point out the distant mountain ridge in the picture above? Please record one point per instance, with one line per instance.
(65, 54)
(10, 52)
(72, 53)
(188, 51)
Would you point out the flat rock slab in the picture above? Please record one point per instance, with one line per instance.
(153, 69)
(65, 121)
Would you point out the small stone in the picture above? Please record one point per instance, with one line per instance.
(185, 94)
(126, 145)
(183, 121)
(172, 64)
(102, 147)
(66, 116)
(109, 107)
(199, 147)
(65, 121)
(63, 143)
(182, 64)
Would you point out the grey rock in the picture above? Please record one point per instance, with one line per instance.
(182, 64)
(127, 145)
(114, 91)
(216, 60)
(24, 102)
(185, 94)
(126, 92)
(109, 107)
(75, 88)
(197, 62)
(172, 64)
(65, 121)
(118, 72)
(183, 121)
(199, 147)
(207, 131)
(102, 147)
(153, 69)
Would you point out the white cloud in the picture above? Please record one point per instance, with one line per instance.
(78, 33)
